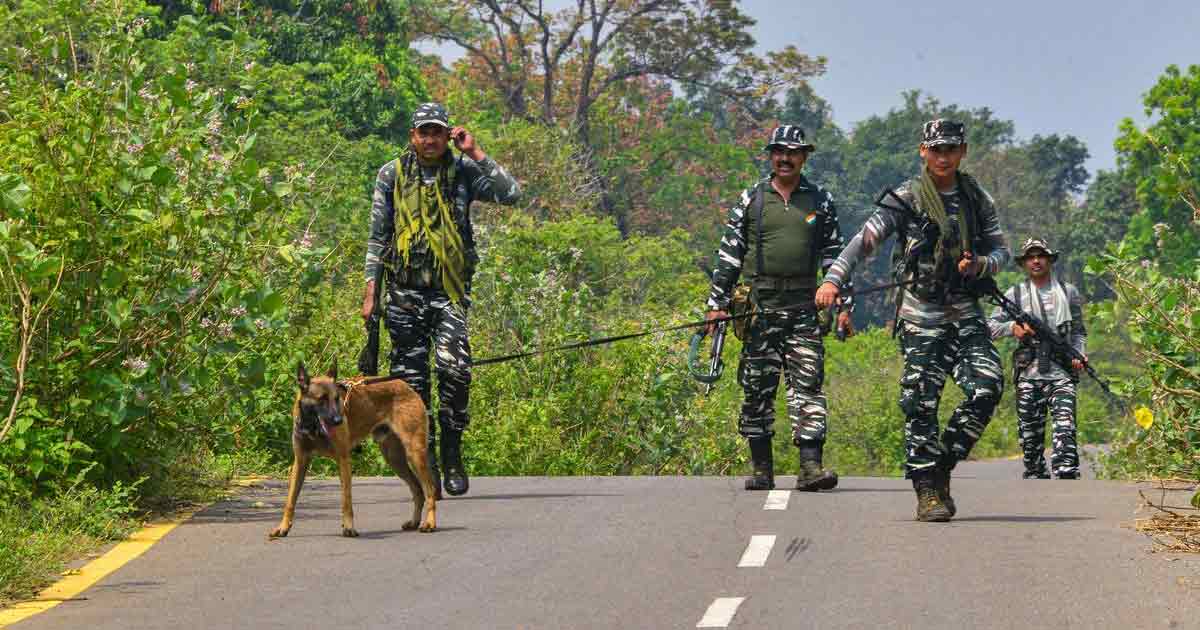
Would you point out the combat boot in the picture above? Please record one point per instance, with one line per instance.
(1069, 475)
(812, 477)
(764, 464)
(456, 481)
(930, 508)
(941, 482)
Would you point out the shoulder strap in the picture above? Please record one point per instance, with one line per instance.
(1017, 294)
(757, 206)
(818, 234)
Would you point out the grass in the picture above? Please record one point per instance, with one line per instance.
(39, 538)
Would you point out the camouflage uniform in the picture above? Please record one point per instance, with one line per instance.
(1051, 385)
(939, 338)
(787, 342)
(418, 310)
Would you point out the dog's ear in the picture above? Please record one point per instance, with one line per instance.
(333, 370)
(301, 376)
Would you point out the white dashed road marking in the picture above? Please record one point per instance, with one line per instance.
(757, 551)
(721, 612)
(777, 500)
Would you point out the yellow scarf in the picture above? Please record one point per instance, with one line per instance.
(425, 214)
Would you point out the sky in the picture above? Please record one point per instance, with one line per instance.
(1051, 66)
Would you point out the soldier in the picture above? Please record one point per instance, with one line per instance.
(941, 323)
(1043, 380)
(782, 231)
(421, 214)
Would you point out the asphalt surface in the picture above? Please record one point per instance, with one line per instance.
(657, 552)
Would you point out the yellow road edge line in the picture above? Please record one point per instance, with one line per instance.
(78, 581)
(75, 582)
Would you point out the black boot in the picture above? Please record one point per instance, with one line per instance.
(431, 456)
(941, 480)
(930, 508)
(456, 481)
(764, 464)
(811, 476)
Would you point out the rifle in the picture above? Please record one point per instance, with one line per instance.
(1044, 334)
(715, 365)
(929, 238)
(368, 359)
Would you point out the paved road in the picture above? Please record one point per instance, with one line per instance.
(639, 552)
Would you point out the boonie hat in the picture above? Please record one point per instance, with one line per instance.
(1033, 244)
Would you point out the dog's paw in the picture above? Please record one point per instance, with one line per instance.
(349, 532)
(428, 527)
(278, 532)
(409, 526)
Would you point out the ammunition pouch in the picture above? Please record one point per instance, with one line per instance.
(743, 308)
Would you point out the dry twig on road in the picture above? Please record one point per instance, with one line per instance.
(1169, 527)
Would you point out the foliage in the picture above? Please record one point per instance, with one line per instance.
(38, 538)
(1157, 281)
(572, 68)
(1164, 160)
(166, 240)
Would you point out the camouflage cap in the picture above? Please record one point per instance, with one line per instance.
(430, 114)
(1034, 244)
(789, 137)
(944, 131)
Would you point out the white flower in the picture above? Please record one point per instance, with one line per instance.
(237, 311)
(249, 66)
(260, 323)
(190, 85)
(304, 241)
(214, 126)
(134, 148)
(206, 323)
(225, 329)
(135, 364)
(1145, 263)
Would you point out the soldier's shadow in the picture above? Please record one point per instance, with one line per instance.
(1022, 519)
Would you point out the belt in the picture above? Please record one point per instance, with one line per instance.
(784, 283)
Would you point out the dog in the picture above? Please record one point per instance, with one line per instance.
(331, 417)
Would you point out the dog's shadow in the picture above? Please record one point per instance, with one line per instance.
(389, 533)
(531, 495)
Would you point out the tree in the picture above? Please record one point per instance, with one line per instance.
(1164, 160)
(557, 66)
(1098, 222)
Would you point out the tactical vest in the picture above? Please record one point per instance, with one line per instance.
(787, 245)
(935, 285)
(1030, 351)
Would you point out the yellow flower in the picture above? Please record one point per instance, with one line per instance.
(1144, 417)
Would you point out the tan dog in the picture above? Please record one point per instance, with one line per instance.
(331, 417)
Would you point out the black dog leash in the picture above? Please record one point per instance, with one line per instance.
(653, 331)
(607, 340)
